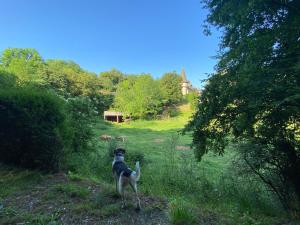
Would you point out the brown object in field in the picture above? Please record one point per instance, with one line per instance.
(159, 140)
(182, 147)
(106, 137)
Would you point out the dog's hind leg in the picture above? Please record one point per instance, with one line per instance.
(138, 202)
(116, 181)
(121, 189)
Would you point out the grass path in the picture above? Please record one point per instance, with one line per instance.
(62, 199)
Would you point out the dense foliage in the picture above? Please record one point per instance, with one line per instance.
(47, 110)
(32, 129)
(48, 107)
(170, 85)
(192, 98)
(26, 64)
(255, 93)
(138, 97)
(7, 80)
(70, 80)
(110, 79)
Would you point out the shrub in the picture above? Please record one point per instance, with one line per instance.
(32, 124)
(170, 111)
(81, 114)
(192, 98)
(7, 80)
(132, 157)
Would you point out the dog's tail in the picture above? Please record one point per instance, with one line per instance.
(137, 171)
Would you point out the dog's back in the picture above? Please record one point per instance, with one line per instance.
(119, 167)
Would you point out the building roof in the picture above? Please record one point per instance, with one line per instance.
(183, 76)
(110, 113)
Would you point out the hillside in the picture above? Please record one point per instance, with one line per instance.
(174, 188)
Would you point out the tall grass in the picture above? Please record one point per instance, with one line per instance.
(180, 176)
(172, 173)
(182, 213)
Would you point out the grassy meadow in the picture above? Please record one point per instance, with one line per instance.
(174, 187)
(169, 170)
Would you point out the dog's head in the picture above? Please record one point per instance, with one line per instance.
(119, 154)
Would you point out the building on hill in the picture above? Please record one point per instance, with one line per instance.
(186, 86)
(113, 116)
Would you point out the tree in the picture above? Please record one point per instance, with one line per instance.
(255, 93)
(170, 85)
(69, 79)
(138, 96)
(110, 79)
(25, 63)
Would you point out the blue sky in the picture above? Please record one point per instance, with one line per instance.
(134, 36)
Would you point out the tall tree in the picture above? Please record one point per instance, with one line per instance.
(70, 79)
(170, 85)
(25, 63)
(110, 79)
(255, 93)
(138, 96)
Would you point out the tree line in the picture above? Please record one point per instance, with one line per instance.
(136, 95)
(48, 107)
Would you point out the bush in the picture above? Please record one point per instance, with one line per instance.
(7, 80)
(132, 157)
(81, 114)
(170, 111)
(32, 129)
(192, 98)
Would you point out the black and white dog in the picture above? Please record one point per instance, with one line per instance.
(124, 175)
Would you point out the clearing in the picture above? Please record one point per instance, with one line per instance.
(173, 187)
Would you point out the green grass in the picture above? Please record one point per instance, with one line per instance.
(13, 180)
(208, 190)
(170, 169)
(150, 137)
(72, 190)
(182, 213)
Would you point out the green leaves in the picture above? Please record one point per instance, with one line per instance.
(138, 96)
(170, 85)
(70, 80)
(110, 79)
(254, 93)
(25, 63)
